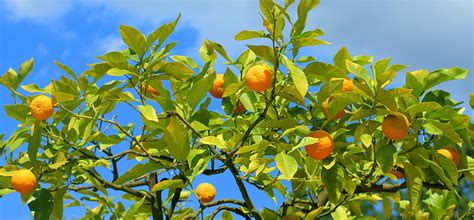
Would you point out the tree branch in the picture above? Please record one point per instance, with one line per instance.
(243, 190)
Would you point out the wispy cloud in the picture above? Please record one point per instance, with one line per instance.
(38, 11)
(108, 44)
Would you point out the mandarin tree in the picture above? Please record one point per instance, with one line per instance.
(322, 140)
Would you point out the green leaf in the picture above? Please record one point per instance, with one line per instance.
(333, 180)
(24, 70)
(286, 164)
(33, 88)
(386, 157)
(442, 75)
(175, 69)
(303, 8)
(115, 58)
(264, 52)
(34, 142)
(168, 184)
(422, 107)
(323, 71)
(58, 204)
(41, 204)
(226, 216)
(117, 72)
(137, 171)
(438, 128)
(247, 34)
(134, 39)
(213, 140)
(148, 112)
(359, 71)
(415, 185)
(449, 168)
(340, 58)
(199, 90)
(162, 33)
(130, 214)
(298, 77)
(66, 69)
(177, 139)
(17, 111)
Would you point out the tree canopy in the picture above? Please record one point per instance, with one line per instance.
(334, 140)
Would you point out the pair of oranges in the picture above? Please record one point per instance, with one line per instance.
(258, 78)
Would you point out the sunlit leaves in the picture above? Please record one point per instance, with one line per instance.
(177, 139)
(162, 33)
(298, 77)
(264, 52)
(415, 185)
(247, 34)
(167, 184)
(175, 69)
(286, 164)
(130, 214)
(17, 111)
(340, 58)
(333, 180)
(199, 90)
(136, 171)
(386, 157)
(134, 39)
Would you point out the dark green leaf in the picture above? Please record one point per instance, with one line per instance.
(41, 204)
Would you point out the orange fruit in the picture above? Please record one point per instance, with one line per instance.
(150, 90)
(326, 112)
(347, 85)
(23, 181)
(258, 78)
(205, 192)
(42, 107)
(397, 174)
(217, 89)
(322, 148)
(240, 108)
(450, 153)
(395, 126)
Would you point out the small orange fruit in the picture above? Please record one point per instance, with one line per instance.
(150, 90)
(347, 85)
(205, 192)
(42, 107)
(217, 89)
(326, 112)
(322, 148)
(23, 181)
(395, 126)
(398, 174)
(450, 153)
(258, 78)
(240, 108)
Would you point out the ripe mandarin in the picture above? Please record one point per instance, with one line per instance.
(450, 153)
(42, 107)
(322, 148)
(258, 78)
(395, 126)
(23, 181)
(217, 89)
(205, 192)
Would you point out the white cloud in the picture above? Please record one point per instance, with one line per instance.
(108, 44)
(43, 11)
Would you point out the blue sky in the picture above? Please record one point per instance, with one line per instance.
(425, 34)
